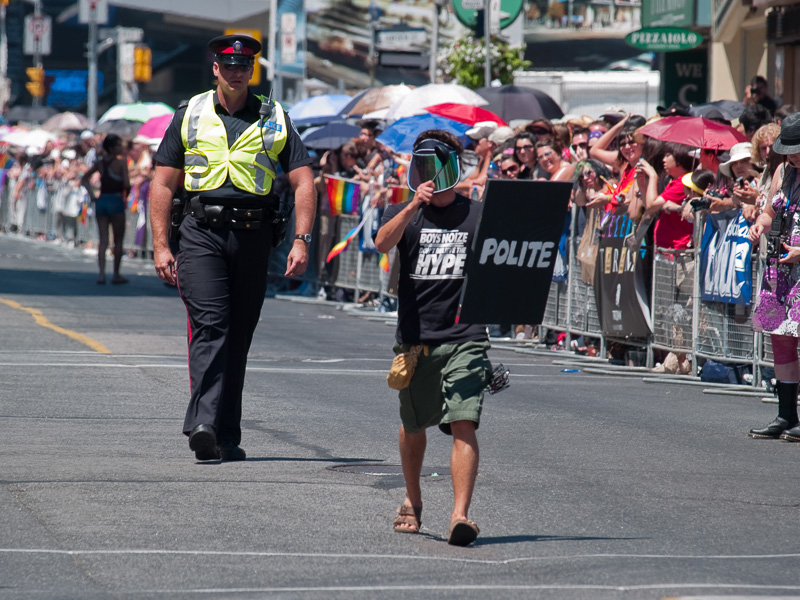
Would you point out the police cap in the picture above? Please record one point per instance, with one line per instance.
(237, 49)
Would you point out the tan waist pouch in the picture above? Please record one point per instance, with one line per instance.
(403, 365)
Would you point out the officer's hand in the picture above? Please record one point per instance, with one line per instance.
(165, 265)
(298, 259)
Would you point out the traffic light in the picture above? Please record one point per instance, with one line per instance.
(36, 84)
(142, 64)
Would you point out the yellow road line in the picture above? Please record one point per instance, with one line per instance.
(40, 319)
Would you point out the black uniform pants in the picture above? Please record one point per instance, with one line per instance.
(222, 279)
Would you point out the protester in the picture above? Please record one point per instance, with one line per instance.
(452, 368)
(776, 312)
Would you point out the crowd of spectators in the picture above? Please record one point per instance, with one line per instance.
(615, 170)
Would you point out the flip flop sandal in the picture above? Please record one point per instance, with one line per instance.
(462, 533)
(410, 516)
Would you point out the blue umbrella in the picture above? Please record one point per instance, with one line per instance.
(401, 135)
(318, 109)
(329, 136)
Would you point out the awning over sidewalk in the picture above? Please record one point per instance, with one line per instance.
(225, 11)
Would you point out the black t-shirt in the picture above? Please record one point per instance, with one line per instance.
(433, 256)
(171, 151)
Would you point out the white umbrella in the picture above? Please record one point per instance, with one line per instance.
(415, 102)
(25, 138)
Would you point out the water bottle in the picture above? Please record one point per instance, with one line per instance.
(475, 195)
(493, 170)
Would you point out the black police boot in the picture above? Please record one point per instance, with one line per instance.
(203, 440)
(787, 415)
(231, 451)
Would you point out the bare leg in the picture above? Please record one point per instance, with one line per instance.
(412, 453)
(118, 228)
(463, 466)
(102, 245)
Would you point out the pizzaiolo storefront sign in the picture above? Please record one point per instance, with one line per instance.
(664, 39)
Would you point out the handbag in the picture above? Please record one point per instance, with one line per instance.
(403, 366)
(587, 247)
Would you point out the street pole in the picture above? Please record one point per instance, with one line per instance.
(273, 29)
(487, 40)
(37, 55)
(91, 92)
(434, 41)
(5, 92)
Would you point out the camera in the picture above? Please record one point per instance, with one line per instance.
(774, 238)
(700, 204)
(739, 181)
(753, 90)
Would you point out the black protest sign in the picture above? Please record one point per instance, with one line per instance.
(619, 282)
(511, 263)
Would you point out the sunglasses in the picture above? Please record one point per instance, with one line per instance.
(234, 68)
(526, 148)
(583, 145)
(628, 143)
(509, 170)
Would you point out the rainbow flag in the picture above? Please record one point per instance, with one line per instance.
(399, 194)
(341, 246)
(344, 195)
(84, 214)
(384, 263)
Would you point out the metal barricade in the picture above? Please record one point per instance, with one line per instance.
(671, 300)
(357, 270)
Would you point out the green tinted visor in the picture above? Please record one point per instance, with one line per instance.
(434, 159)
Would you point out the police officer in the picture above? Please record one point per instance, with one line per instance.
(224, 147)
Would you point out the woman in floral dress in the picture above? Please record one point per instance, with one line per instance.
(778, 310)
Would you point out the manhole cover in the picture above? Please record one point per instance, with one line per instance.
(383, 469)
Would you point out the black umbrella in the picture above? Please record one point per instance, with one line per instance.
(518, 102)
(329, 136)
(725, 109)
(121, 127)
(30, 114)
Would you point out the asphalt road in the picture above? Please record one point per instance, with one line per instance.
(591, 486)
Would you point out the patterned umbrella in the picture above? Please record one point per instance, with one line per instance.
(376, 99)
(138, 111)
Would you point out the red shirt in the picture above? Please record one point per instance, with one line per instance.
(671, 231)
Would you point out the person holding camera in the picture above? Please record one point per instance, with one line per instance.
(226, 146)
(756, 93)
(778, 312)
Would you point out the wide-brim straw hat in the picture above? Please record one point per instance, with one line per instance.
(738, 152)
(788, 142)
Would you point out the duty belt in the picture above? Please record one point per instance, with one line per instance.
(218, 215)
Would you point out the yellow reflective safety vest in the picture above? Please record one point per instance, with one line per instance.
(208, 161)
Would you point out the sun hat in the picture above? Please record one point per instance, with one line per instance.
(698, 181)
(481, 130)
(788, 142)
(738, 152)
(614, 114)
(501, 135)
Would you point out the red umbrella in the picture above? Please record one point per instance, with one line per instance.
(465, 113)
(693, 131)
(154, 128)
